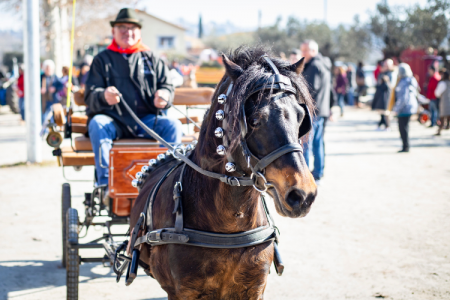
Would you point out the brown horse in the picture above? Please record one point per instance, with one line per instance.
(187, 272)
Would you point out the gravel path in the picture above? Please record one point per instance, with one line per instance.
(380, 227)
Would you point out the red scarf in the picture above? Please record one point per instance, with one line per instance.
(138, 47)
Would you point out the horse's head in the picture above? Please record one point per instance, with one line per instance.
(260, 124)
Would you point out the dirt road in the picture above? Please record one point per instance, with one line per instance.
(380, 227)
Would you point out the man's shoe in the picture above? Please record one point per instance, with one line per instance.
(403, 151)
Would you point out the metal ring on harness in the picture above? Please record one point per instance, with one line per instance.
(259, 174)
(179, 148)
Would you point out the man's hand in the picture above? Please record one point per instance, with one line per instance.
(112, 95)
(160, 99)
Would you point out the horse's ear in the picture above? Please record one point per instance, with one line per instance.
(298, 66)
(233, 70)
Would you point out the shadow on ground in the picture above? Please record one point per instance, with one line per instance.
(42, 275)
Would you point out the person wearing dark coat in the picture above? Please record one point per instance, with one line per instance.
(129, 68)
(383, 93)
(317, 74)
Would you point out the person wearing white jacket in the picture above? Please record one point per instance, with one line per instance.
(405, 102)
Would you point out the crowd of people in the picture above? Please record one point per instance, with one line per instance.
(53, 87)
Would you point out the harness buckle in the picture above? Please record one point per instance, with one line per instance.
(237, 181)
(154, 236)
(255, 176)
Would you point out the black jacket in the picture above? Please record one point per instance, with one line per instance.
(317, 73)
(140, 73)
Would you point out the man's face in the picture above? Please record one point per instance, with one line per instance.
(126, 35)
(48, 71)
(306, 52)
(430, 72)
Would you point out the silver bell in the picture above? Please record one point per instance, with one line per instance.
(135, 183)
(152, 162)
(230, 167)
(145, 169)
(222, 99)
(220, 115)
(221, 150)
(189, 147)
(161, 157)
(141, 175)
(218, 132)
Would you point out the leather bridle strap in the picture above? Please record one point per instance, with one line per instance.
(271, 157)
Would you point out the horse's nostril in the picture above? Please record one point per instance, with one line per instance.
(295, 197)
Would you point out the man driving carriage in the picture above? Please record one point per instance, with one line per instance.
(127, 71)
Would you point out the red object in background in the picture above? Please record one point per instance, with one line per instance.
(419, 61)
(20, 86)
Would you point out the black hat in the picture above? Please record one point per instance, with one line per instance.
(127, 15)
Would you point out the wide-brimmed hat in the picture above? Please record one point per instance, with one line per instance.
(127, 15)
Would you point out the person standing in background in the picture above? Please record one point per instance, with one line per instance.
(405, 102)
(350, 84)
(361, 87)
(21, 92)
(434, 102)
(318, 76)
(340, 86)
(377, 69)
(50, 86)
(84, 70)
(383, 92)
(443, 93)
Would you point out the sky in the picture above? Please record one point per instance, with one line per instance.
(244, 13)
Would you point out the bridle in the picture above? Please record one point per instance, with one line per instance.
(275, 82)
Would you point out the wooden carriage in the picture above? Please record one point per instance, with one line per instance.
(127, 156)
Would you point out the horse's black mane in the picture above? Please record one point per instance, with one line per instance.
(255, 67)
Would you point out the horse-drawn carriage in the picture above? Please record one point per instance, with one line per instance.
(127, 157)
(199, 224)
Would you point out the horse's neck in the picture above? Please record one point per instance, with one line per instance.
(214, 206)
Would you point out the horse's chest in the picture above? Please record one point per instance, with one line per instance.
(219, 273)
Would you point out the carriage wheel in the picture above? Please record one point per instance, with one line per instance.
(73, 260)
(65, 205)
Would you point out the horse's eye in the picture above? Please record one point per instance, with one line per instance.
(255, 122)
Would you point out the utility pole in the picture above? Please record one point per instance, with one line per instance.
(32, 80)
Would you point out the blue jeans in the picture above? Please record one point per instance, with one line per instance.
(102, 132)
(434, 111)
(316, 142)
(22, 108)
(341, 102)
(350, 97)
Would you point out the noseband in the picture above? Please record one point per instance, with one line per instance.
(275, 82)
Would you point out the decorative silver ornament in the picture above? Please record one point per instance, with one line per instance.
(152, 162)
(230, 167)
(169, 153)
(220, 115)
(161, 157)
(141, 175)
(189, 147)
(145, 169)
(222, 99)
(194, 143)
(135, 183)
(218, 132)
(221, 150)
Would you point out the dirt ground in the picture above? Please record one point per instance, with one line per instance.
(380, 227)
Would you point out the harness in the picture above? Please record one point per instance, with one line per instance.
(180, 235)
